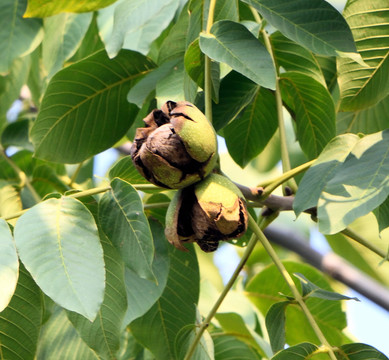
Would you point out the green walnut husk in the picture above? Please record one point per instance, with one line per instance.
(177, 147)
(208, 212)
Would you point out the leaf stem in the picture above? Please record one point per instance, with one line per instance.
(285, 177)
(207, 67)
(280, 116)
(264, 221)
(359, 239)
(288, 279)
(24, 181)
(75, 174)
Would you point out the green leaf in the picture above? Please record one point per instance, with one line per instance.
(71, 269)
(9, 265)
(236, 92)
(124, 169)
(70, 29)
(275, 324)
(358, 351)
(103, 334)
(11, 84)
(139, 93)
(313, 108)
(158, 328)
(124, 222)
(363, 86)
(234, 323)
(18, 36)
(16, 134)
(382, 215)
(247, 135)
(228, 43)
(345, 248)
(227, 347)
(45, 180)
(324, 168)
(314, 24)
(328, 68)
(60, 340)
(194, 65)
(367, 121)
(172, 86)
(137, 23)
(297, 352)
(21, 321)
(44, 8)
(204, 349)
(294, 57)
(309, 289)
(84, 110)
(264, 290)
(157, 213)
(174, 45)
(359, 185)
(141, 293)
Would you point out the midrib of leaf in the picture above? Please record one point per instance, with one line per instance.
(88, 98)
(132, 229)
(57, 225)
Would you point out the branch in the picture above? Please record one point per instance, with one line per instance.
(331, 264)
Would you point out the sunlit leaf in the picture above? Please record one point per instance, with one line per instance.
(316, 178)
(314, 24)
(124, 222)
(71, 268)
(18, 36)
(363, 86)
(9, 265)
(359, 185)
(43, 8)
(85, 110)
(228, 43)
(137, 23)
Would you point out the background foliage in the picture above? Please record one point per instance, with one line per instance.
(86, 272)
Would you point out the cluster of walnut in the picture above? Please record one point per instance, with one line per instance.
(177, 149)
